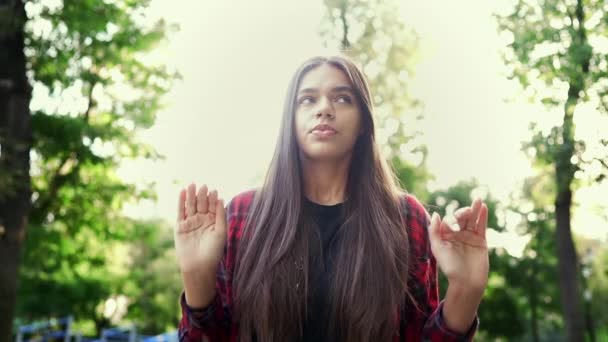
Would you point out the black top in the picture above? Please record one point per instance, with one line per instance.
(328, 219)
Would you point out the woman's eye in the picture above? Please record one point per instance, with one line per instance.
(343, 99)
(306, 100)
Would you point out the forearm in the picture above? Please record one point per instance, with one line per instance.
(460, 307)
(199, 288)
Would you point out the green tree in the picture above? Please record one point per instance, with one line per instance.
(539, 260)
(553, 54)
(86, 60)
(15, 140)
(374, 35)
(598, 287)
(523, 287)
(154, 282)
(595, 286)
(504, 280)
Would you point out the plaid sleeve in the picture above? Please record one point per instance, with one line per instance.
(425, 288)
(214, 322)
(211, 323)
(436, 330)
(201, 324)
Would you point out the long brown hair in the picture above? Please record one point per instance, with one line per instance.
(370, 282)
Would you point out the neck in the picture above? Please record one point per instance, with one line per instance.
(325, 180)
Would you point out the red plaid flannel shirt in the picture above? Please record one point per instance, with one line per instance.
(214, 323)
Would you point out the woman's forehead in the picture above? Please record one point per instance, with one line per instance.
(324, 76)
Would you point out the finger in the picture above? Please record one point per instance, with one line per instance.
(482, 223)
(452, 222)
(466, 237)
(463, 216)
(445, 228)
(475, 207)
(181, 205)
(201, 200)
(461, 212)
(212, 201)
(191, 200)
(220, 217)
(434, 234)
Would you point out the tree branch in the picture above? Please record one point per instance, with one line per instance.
(345, 42)
(59, 178)
(603, 162)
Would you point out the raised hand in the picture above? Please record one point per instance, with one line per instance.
(200, 233)
(462, 255)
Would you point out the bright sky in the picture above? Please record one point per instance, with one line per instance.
(236, 57)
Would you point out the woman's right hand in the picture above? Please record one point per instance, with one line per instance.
(200, 233)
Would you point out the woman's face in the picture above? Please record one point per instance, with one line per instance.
(328, 117)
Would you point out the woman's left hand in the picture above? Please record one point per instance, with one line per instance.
(462, 255)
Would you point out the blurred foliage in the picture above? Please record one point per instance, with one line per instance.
(522, 299)
(540, 287)
(81, 251)
(154, 282)
(504, 280)
(524, 288)
(557, 54)
(87, 64)
(594, 266)
(373, 33)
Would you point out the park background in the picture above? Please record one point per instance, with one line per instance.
(127, 101)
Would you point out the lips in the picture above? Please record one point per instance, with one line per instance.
(323, 132)
(323, 128)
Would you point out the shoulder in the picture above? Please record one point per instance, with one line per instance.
(237, 211)
(416, 219)
(415, 212)
(241, 203)
(422, 265)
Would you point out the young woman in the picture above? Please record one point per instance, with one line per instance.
(329, 248)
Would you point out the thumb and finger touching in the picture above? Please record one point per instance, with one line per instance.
(471, 221)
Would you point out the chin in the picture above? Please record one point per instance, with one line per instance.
(323, 154)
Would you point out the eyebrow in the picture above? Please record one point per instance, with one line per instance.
(333, 90)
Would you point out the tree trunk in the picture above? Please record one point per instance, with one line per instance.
(568, 265)
(568, 269)
(534, 296)
(15, 142)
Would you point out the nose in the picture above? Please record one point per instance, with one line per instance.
(325, 109)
